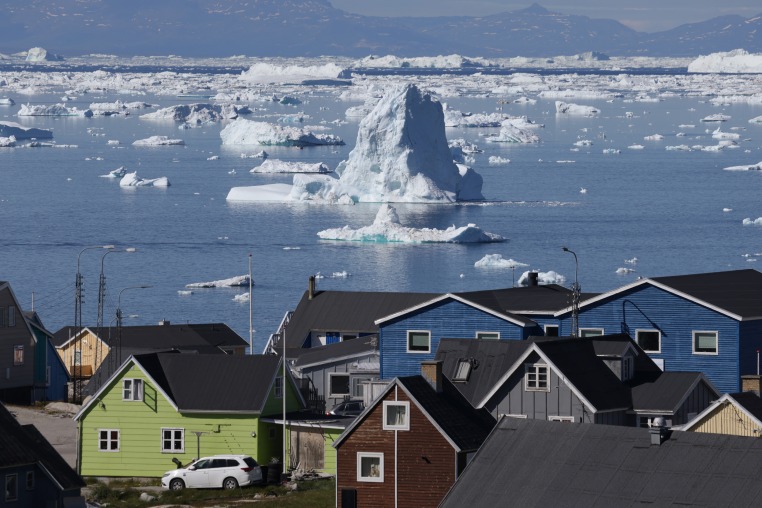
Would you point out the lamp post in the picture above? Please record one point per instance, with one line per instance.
(575, 294)
(102, 283)
(76, 376)
(118, 359)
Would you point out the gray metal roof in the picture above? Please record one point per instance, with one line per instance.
(737, 291)
(665, 392)
(159, 337)
(545, 298)
(534, 463)
(346, 311)
(750, 401)
(215, 383)
(333, 352)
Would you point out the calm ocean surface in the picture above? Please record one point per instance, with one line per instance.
(663, 207)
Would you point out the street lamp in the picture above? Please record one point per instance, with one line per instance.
(102, 283)
(575, 294)
(118, 359)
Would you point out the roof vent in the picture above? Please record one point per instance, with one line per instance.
(533, 278)
(164, 322)
(659, 431)
(311, 287)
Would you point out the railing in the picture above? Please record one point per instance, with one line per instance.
(272, 342)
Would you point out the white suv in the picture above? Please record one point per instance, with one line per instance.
(226, 471)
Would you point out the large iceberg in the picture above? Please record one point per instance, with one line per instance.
(279, 166)
(52, 110)
(8, 129)
(269, 73)
(248, 132)
(737, 61)
(401, 155)
(158, 141)
(41, 55)
(197, 114)
(387, 228)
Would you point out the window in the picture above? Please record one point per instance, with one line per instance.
(396, 415)
(339, 385)
(590, 332)
(132, 389)
(649, 340)
(279, 387)
(705, 343)
(77, 357)
(565, 419)
(30, 480)
(488, 335)
(11, 316)
(627, 368)
(18, 355)
(551, 330)
(370, 467)
(173, 440)
(536, 378)
(108, 440)
(418, 341)
(11, 487)
(462, 371)
(358, 386)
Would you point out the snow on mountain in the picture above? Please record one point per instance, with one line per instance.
(737, 61)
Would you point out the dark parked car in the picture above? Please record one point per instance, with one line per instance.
(348, 408)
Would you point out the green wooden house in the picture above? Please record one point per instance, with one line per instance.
(163, 409)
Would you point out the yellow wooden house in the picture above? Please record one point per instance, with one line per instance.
(735, 414)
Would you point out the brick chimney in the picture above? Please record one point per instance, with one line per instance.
(751, 383)
(431, 370)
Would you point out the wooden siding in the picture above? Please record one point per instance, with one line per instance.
(425, 460)
(513, 399)
(750, 342)
(56, 389)
(94, 350)
(140, 424)
(320, 376)
(699, 399)
(14, 376)
(648, 307)
(728, 419)
(328, 456)
(447, 319)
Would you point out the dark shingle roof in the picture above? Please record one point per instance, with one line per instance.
(750, 402)
(23, 444)
(737, 291)
(346, 311)
(213, 382)
(347, 348)
(665, 392)
(545, 298)
(465, 426)
(159, 337)
(534, 463)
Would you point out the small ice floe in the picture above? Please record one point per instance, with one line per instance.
(583, 142)
(497, 261)
(636, 147)
(133, 180)
(184, 292)
(213, 158)
(387, 228)
(717, 117)
(565, 162)
(248, 132)
(113, 142)
(654, 137)
(319, 276)
(549, 277)
(755, 222)
(756, 119)
(687, 126)
(259, 155)
(232, 172)
(241, 298)
(496, 160)
(719, 134)
(8, 142)
(116, 173)
(631, 261)
(726, 210)
(514, 131)
(238, 281)
(611, 151)
(750, 167)
(6, 101)
(279, 166)
(567, 108)
(158, 141)
(678, 148)
(292, 248)
(624, 271)
(340, 275)
(582, 190)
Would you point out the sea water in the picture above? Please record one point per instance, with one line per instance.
(664, 208)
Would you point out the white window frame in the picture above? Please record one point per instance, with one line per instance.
(108, 440)
(415, 351)
(18, 355)
(559, 418)
(557, 327)
(330, 385)
(406, 424)
(131, 389)
(638, 330)
(488, 333)
(173, 439)
(716, 344)
(534, 367)
(370, 455)
(590, 330)
(278, 387)
(357, 386)
(457, 377)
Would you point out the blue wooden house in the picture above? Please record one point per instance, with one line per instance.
(710, 322)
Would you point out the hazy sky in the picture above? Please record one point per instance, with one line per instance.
(642, 15)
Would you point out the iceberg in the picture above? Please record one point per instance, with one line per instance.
(755, 222)
(756, 119)
(750, 167)
(510, 132)
(52, 110)
(133, 180)
(8, 129)
(248, 132)
(41, 55)
(496, 160)
(115, 173)
(6, 101)
(566, 108)
(158, 141)
(8, 142)
(269, 73)
(196, 114)
(238, 281)
(719, 134)
(387, 228)
(279, 166)
(497, 261)
(737, 61)
(550, 277)
(717, 117)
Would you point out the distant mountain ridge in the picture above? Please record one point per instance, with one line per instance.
(288, 28)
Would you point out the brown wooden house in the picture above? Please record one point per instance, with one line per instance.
(410, 445)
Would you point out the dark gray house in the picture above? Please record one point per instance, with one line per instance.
(535, 463)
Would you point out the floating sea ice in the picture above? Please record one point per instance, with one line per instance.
(387, 228)
(583, 142)
(213, 158)
(631, 261)
(755, 222)
(8, 142)
(717, 117)
(565, 108)
(6, 101)
(158, 141)
(624, 271)
(582, 190)
(756, 119)
(241, 298)
(259, 155)
(292, 248)
(611, 150)
(133, 180)
(678, 148)
(636, 147)
(496, 160)
(248, 132)
(340, 275)
(654, 137)
(730, 62)
(279, 166)
(727, 209)
(20, 132)
(112, 142)
(497, 261)
(184, 292)
(718, 134)
(238, 281)
(510, 132)
(115, 173)
(52, 110)
(549, 277)
(687, 126)
(750, 167)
